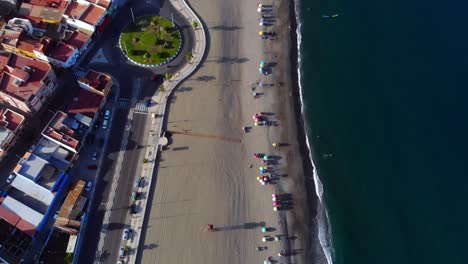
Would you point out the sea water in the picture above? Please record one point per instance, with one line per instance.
(384, 88)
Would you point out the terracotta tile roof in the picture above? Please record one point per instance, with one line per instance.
(25, 90)
(103, 3)
(92, 14)
(86, 103)
(76, 9)
(57, 4)
(61, 132)
(36, 22)
(10, 119)
(59, 51)
(96, 80)
(78, 39)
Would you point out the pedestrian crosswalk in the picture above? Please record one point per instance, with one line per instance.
(141, 108)
(123, 104)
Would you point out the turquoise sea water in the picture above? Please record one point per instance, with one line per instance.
(385, 90)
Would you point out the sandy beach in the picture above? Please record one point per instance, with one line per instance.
(208, 174)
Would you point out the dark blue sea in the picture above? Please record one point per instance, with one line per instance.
(385, 97)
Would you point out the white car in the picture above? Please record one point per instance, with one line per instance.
(107, 114)
(105, 123)
(10, 178)
(89, 186)
(94, 157)
(126, 234)
(121, 252)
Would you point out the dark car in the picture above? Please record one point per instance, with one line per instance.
(133, 209)
(92, 167)
(148, 102)
(155, 77)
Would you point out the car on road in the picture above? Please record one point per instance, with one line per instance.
(107, 114)
(94, 157)
(155, 77)
(148, 102)
(10, 178)
(105, 123)
(92, 167)
(89, 186)
(56, 215)
(126, 234)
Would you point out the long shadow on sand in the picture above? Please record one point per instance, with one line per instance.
(251, 225)
(225, 28)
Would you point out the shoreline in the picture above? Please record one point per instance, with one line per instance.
(313, 201)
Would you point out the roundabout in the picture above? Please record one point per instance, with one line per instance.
(151, 41)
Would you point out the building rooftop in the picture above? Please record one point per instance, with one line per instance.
(76, 9)
(54, 4)
(96, 80)
(92, 14)
(46, 10)
(58, 50)
(103, 3)
(14, 241)
(86, 103)
(9, 119)
(30, 166)
(33, 190)
(71, 199)
(23, 211)
(51, 151)
(77, 39)
(62, 129)
(21, 77)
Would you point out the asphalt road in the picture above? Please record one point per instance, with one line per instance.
(126, 74)
(131, 167)
(95, 218)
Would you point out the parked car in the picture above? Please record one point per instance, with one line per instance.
(89, 186)
(94, 157)
(107, 114)
(121, 252)
(92, 167)
(133, 209)
(126, 234)
(137, 182)
(56, 215)
(10, 178)
(105, 123)
(148, 102)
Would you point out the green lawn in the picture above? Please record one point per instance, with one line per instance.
(150, 40)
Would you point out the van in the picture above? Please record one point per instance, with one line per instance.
(107, 114)
(89, 186)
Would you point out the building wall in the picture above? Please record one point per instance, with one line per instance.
(14, 102)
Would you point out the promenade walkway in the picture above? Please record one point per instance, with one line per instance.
(157, 110)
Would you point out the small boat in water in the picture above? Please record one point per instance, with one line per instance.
(330, 16)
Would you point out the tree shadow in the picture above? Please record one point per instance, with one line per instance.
(205, 78)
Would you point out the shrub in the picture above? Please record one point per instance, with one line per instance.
(189, 56)
(195, 24)
(168, 75)
(161, 88)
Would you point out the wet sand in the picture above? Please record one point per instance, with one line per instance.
(204, 177)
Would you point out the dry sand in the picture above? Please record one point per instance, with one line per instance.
(205, 177)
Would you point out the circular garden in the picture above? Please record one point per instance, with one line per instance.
(151, 40)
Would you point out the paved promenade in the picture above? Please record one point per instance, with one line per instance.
(157, 110)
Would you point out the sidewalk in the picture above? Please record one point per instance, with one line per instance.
(158, 110)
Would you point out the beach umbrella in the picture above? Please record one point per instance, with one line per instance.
(262, 20)
(261, 84)
(263, 171)
(262, 63)
(259, 10)
(275, 204)
(266, 157)
(261, 168)
(264, 238)
(254, 117)
(260, 5)
(264, 230)
(261, 33)
(277, 238)
(260, 24)
(260, 70)
(256, 123)
(275, 209)
(259, 178)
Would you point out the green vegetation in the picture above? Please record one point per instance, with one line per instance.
(195, 24)
(145, 160)
(189, 56)
(150, 40)
(69, 258)
(168, 76)
(161, 88)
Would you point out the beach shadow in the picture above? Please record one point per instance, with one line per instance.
(180, 148)
(231, 60)
(150, 246)
(183, 89)
(205, 78)
(249, 225)
(225, 28)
